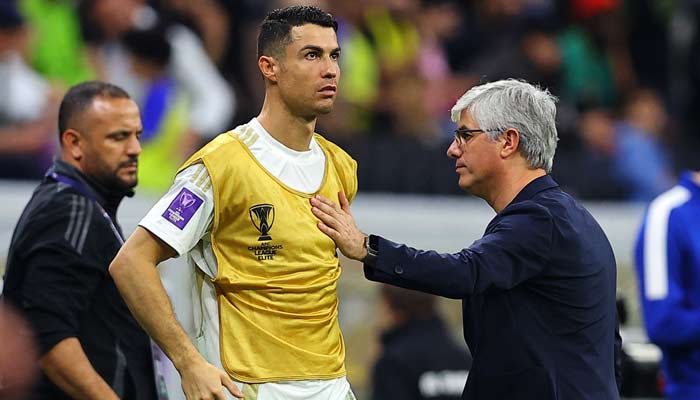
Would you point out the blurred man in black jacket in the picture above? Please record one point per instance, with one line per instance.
(90, 346)
(419, 359)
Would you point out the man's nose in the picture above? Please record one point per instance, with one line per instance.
(331, 68)
(453, 151)
(134, 146)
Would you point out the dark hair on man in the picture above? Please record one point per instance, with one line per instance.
(276, 27)
(10, 16)
(80, 97)
(150, 45)
(408, 303)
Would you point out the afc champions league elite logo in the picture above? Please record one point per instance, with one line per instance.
(263, 216)
(182, 208)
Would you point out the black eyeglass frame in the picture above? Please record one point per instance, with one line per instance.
(463, 135)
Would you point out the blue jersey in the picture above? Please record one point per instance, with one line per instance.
(668, 271)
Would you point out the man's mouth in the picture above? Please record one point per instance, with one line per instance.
(328, 90)
(129, 166)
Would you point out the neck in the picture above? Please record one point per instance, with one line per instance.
(291, 130)
(696, 177)
(66, 157)
(110, 194)
(510, 186)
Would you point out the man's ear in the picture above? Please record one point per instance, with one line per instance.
(510, 140)
(72, 141)
(268, 67)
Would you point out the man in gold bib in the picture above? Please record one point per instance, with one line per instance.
(267, 278)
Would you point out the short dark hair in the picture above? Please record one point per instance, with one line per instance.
(80, 96)
(149, 45)
(277, 25)
(10, 16)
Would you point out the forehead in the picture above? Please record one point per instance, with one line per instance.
(313, 35)
(114, 112)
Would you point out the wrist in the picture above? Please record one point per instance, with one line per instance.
(187, 360)
(370, 250)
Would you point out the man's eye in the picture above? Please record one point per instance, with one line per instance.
(118, 136)
(335, 56)
(311, 56)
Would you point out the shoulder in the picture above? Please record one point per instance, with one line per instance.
(219, 147)
(60, 217)
(335, 151)
(526, 219)
(667, 209)
(525, 210)
(57, 201)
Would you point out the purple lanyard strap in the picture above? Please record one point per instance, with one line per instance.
(85, 192)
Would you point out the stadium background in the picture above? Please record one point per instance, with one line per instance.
(626, 74)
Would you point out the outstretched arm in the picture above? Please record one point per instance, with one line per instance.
(135, 274)
(514, 249)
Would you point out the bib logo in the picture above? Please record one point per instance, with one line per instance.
(182, 208)
(263, 216)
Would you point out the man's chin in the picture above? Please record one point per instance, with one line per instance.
(465, 184)
(325, 108)
(128, 182)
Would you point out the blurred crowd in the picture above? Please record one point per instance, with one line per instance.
(625, 73)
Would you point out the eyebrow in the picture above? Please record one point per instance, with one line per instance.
(319, 49)
(123, 131)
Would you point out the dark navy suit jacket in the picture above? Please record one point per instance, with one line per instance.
(538, 293)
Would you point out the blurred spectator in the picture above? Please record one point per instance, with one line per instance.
(438, 21)
(360, 68)
(490, 31)
(591, 174)
(642, 163)
(419, 358)
(595, 57)
(166, 141)
(211, 99)
(399, 105)
(26, 109)
(209, 20)
(57, 49)
(668, 272)
(18, 355)
(623, 159)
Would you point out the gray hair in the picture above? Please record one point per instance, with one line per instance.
(512, 103)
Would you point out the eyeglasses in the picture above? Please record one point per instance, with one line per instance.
(463, 135)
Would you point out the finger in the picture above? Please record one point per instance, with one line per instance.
(327, 202)
(321, 198)
(332, 233)
(343, 201)
(228, 383)
(320, 214)
(328, 210)
(220, 395)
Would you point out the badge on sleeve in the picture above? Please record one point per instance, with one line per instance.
(182, 208)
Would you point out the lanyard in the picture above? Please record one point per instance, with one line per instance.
(87, 193)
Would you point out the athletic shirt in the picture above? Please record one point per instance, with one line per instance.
(240, 209)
